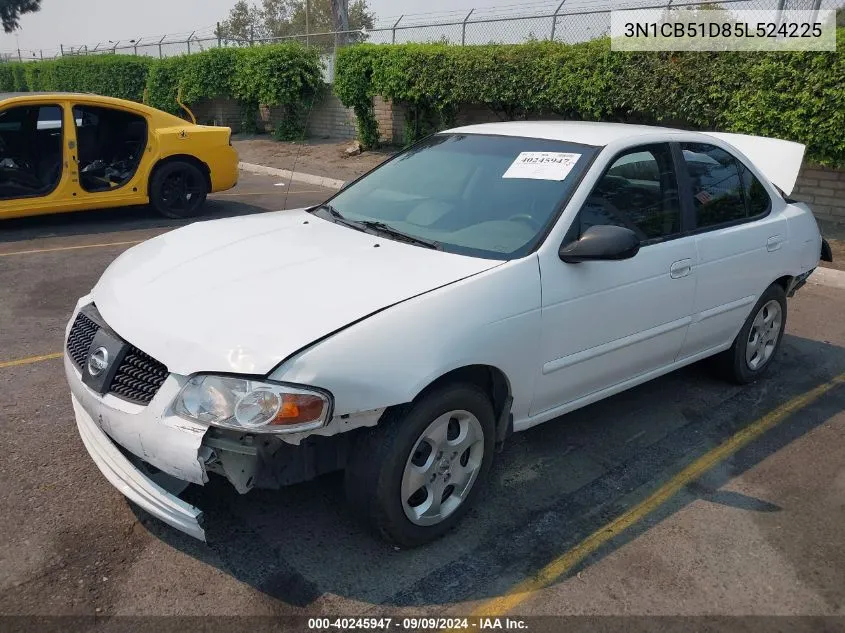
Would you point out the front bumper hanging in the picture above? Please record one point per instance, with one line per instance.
(129, 480)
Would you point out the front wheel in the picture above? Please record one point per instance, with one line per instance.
(417, 473)
(759, 339)
(178, 189)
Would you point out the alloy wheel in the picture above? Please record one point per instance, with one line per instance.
(180, 191)
(442, 467)
(763, 336)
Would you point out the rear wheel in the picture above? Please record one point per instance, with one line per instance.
(178, 189)
(418, 472)
(759, 339)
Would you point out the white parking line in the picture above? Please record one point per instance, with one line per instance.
(70, 248)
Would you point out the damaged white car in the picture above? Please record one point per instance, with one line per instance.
(485, 280)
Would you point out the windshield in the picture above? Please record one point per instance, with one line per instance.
(481, 195)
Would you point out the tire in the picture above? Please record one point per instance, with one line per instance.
(178, 189)
(741, 364)
(388, 460)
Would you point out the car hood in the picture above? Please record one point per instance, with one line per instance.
(242, 294)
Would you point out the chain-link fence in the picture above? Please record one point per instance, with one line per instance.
(569, 21)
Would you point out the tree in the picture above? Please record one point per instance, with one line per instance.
(11, 11)
(340, 15)
(281, 18)
(245, 22)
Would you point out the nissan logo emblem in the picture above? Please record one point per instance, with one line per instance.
(98, 361)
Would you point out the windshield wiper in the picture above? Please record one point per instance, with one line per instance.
(332, 211)
(338, 217)
(373, 225)
(407, 237)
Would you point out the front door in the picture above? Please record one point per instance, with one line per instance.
(607, 322)
(33, 174)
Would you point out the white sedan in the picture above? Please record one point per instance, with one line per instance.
(488, 279)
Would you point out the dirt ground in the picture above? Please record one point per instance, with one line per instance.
(321, 158)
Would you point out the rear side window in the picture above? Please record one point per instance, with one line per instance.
(639, 192)
(49, 118)
(723, 189)
(756, 197)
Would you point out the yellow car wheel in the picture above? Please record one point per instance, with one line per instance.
(178, 189)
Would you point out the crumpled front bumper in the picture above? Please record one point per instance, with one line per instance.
(149, 434)
(129, 480)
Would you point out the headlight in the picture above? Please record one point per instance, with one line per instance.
(251, 405)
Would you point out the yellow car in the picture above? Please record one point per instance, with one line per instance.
(73, 152)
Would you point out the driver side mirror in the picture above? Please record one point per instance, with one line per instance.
(601, 242)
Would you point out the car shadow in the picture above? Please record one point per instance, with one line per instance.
(115, 220)
(551, 487)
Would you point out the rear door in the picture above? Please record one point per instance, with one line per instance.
(739, 243)
(111, 144)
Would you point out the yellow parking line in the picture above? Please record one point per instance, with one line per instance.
(565, 562)
(264, 193)
(30, 360)
(70, 248)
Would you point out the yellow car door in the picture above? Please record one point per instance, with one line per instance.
(111, 157)
(34, 157)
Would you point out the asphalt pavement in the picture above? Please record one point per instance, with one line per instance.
(686, 496)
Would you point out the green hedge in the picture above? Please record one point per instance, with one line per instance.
(12, 78)
(163, 84)
(285, 75)
(796, 96)
(122, 76)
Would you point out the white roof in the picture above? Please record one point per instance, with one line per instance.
(584, 132)
(779, 161)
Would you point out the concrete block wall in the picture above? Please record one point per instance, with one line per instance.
(823, 189)
(391, 121)
(329, 118)
(223, 112)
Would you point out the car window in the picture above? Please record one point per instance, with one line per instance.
(723, 189)
(639, 192)
(13, 119)
(756, 197)
(8, 123)
(462, 191)
(49, 118)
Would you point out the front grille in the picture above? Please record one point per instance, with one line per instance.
(79, 339)
(139, 375)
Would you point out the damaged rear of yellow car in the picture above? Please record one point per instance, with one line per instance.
(64, 152)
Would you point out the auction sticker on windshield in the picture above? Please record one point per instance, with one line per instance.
(542, 165)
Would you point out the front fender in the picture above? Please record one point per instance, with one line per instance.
(492, 318)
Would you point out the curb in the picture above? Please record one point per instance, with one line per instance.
(296, 176)
(829, 277)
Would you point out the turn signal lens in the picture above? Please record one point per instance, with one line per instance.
(299, 409)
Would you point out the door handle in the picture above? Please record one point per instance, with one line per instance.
(774, 243)
(680, 268)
